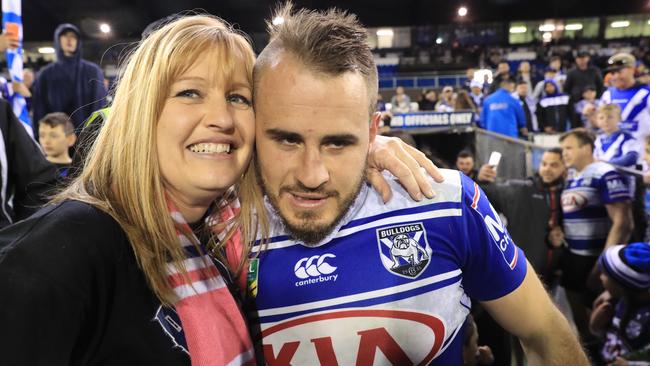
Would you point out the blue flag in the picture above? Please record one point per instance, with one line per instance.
(12, 26)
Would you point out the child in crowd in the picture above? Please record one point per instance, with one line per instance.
(56, 135)
(552, 109)
(587, 107)
(613, 145)
(622, 314)
(472, 353)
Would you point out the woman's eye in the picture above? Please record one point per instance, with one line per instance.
(189, 93)
(239, 99)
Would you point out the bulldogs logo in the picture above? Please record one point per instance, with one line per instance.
(404, 249)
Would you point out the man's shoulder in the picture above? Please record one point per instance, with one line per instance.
(598, 169)
(449, 191)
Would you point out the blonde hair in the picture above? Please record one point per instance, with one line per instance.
(121, 175)
(612, 109)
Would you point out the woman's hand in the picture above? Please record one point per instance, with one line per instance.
(405, 163)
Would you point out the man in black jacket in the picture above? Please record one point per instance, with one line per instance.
(27, 177)
(532, 209)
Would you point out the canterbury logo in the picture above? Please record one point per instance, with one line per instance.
(314, 266)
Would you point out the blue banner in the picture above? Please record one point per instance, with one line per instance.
(12, 27)
(433, 119)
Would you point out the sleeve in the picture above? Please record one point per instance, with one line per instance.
(614, 187)
(627, 159)
(495, 193)
(32, 174)
(493, 265)
(519, 112)
(482, 122)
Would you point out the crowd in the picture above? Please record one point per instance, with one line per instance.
(201, 218)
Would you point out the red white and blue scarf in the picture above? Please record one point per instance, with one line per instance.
(214, 327)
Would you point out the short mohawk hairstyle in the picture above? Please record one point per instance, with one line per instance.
(331, 42)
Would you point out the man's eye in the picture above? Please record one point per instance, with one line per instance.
(288, 141)
(188, 93)
(239, 99)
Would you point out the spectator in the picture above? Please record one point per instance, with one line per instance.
(533, 211)
(613, 145)
(527, 103)
(560, 77)
(464, 103)
(582, 76)
(476, 92)
(585, 109)
(502, 73)
(56, 135)
(428, 100)
(71, 84)
(446, 102)
(29, 176)
(646, 182)
(465, 163)
(402, 104)
(552, 109)
(502, 113)
(400, 97)
(549, 74)
(597, 214)
(621, 317)
(629, 95)
(524, 74)
(469, 73)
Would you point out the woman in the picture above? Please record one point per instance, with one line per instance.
(428, 100)
(117, 271)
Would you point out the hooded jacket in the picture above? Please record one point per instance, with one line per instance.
(71, 85)
(553, 109)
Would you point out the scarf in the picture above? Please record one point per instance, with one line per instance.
(215, 330)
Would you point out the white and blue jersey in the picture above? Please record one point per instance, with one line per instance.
(391, 285)
(619, 148)
(586, 221)
(635, 115)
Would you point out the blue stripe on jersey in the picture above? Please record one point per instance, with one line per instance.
(367, 302)
(637, 109)
(588, 244)
(591, 212)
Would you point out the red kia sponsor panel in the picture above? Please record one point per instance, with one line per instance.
(355, 337)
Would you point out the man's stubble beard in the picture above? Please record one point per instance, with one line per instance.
(309, 234)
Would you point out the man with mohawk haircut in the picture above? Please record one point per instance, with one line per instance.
(343, 278)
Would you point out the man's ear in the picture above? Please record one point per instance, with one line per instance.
(374, 126)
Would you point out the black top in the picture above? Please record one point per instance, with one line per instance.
(72, 294)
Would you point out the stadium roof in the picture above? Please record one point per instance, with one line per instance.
(128, 17)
